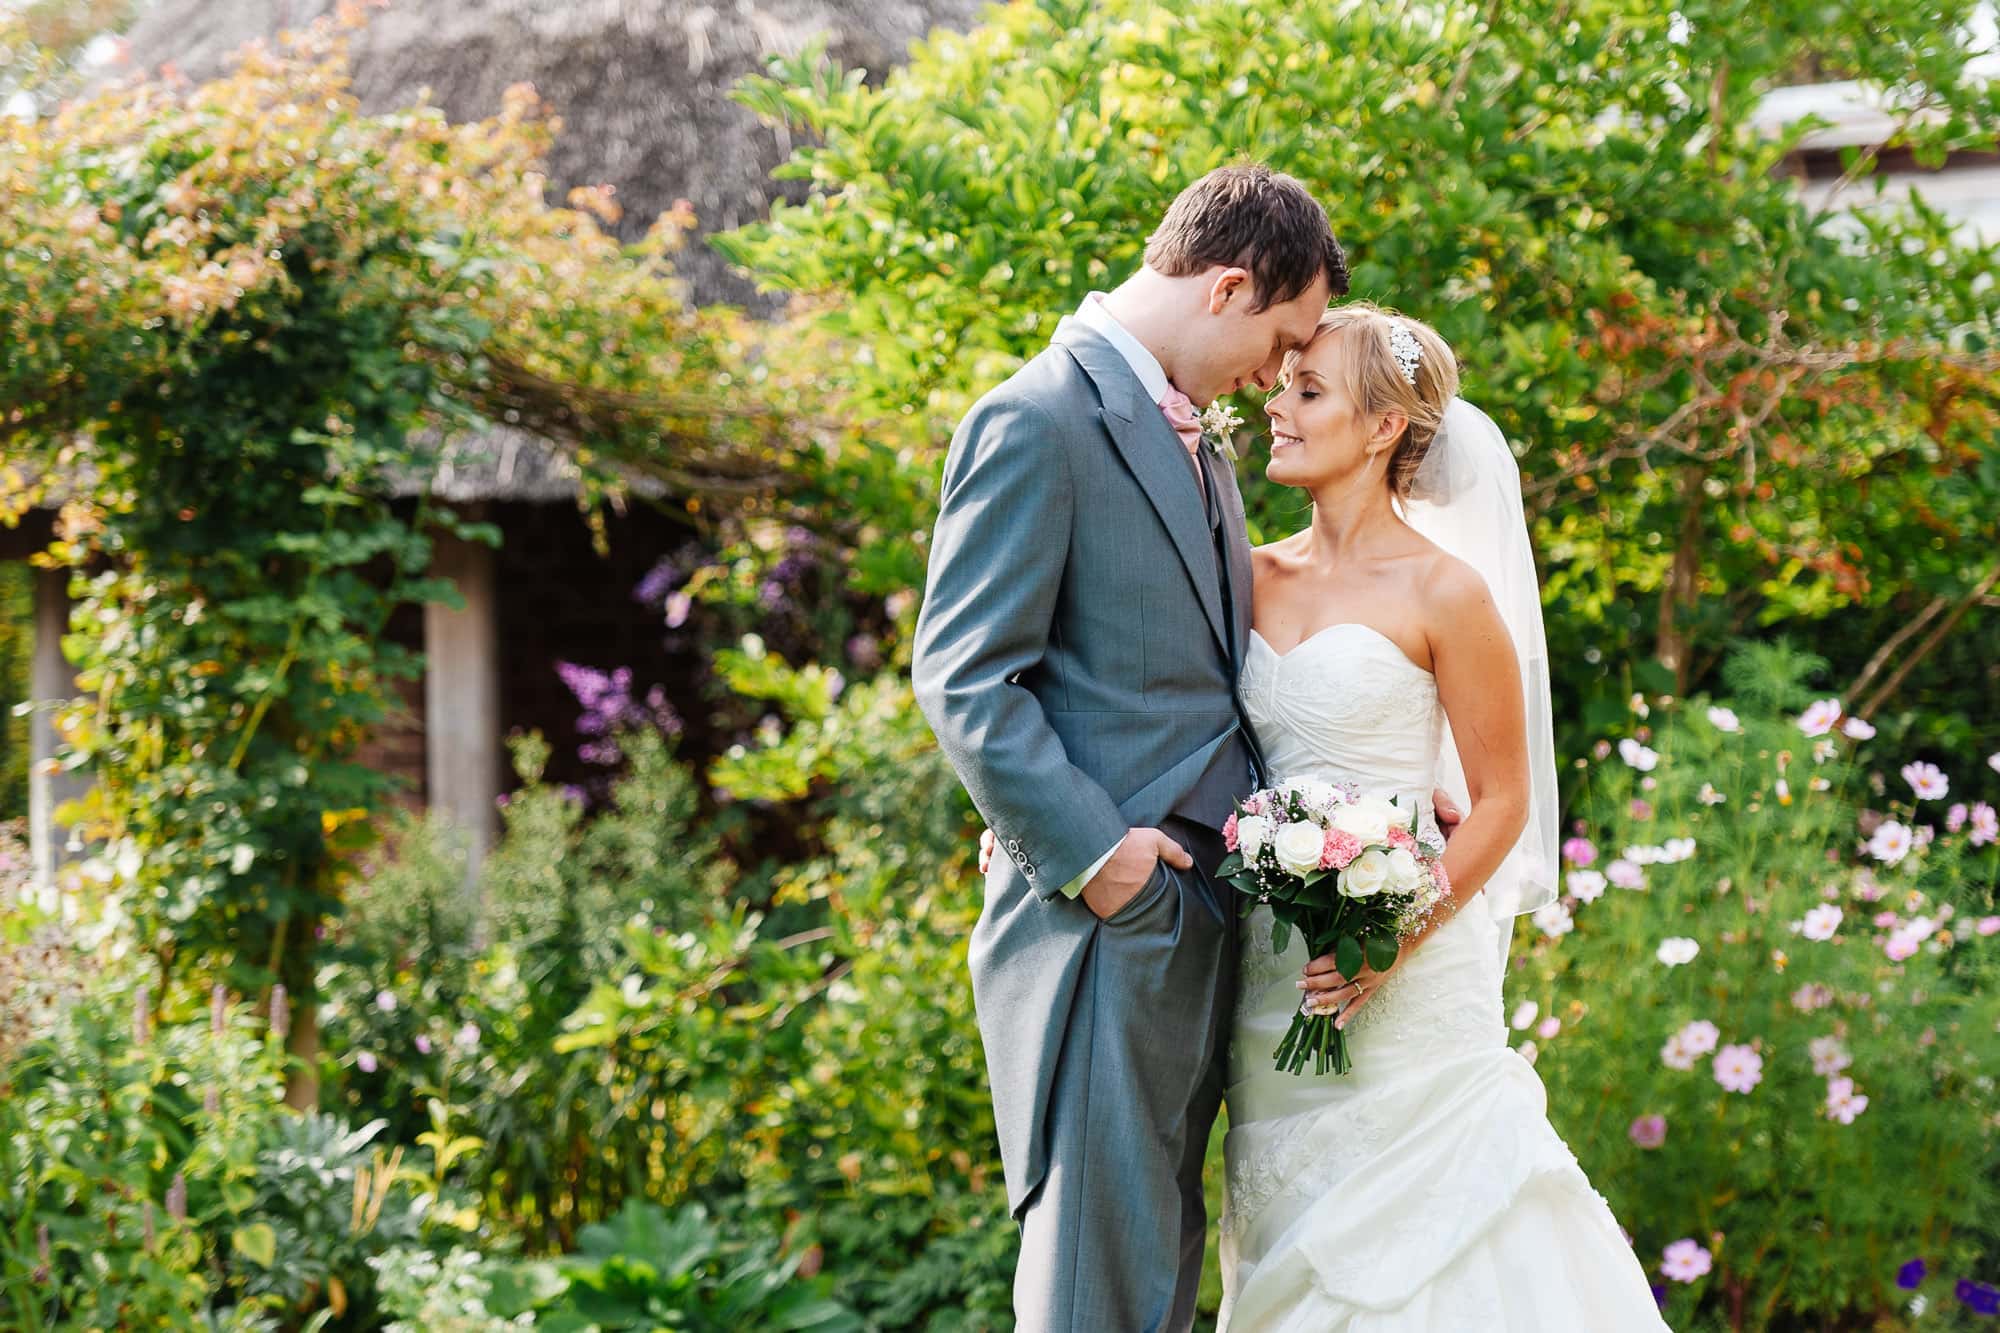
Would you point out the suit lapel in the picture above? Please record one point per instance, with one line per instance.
(1156, 457)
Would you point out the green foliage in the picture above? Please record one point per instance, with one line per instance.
(1807, 1217)
(1736, 412)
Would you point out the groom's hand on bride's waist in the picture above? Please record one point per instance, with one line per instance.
(1449, 816)
(1123, 873)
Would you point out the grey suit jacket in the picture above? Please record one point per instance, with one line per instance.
(1074, 659)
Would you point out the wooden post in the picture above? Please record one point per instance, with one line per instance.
(50, 680)
(462, 739)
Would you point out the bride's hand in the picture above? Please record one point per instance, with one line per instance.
(1329, 991)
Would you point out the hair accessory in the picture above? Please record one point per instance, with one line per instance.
(1403, 346)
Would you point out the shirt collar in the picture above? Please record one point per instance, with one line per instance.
(1144, 364)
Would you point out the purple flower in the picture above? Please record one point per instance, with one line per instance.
(660, 580)
(771, 595)
(1911, 1274)
(1649, 1131)
(1579, 851)
(365, 1062)
(864, 652)
(1979, 1297)
(423, 1044)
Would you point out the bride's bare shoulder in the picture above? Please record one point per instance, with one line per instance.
(1274, 555)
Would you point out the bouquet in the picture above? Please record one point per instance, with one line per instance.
(1350, 872)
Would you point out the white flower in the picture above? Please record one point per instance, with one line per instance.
(1368, 819)
(386, 1001)
(1858, 728)
(1554, 920)
(1676, 950)
(1843, 1103)
(1678, 849)
(1723, 720)
(1708, 795)
(1829, 1056)
(1637, 755)
(1821, 922)
(1219, 423)
(1318, 795)
(1366, 875)
(1927, 781)
(1891, 843)
(1297, 846)
(1993, 761)
(1524, 1015)
(1586, 885)
(1699, 1037)
(1252, 832)
(1625, 874)
(1820, 717)
(1404, 872)
(1677, 1054)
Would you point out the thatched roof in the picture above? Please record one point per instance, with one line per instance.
(642, 89)
(641, 85)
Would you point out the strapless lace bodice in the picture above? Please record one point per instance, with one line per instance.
(1345, 706)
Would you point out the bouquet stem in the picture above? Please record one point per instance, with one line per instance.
(1314, 1037)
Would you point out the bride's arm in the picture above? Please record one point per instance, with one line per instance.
(1479, 686)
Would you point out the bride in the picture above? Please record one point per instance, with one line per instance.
(1397, 644)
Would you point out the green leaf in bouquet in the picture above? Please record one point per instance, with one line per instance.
(1232, 864)
(1281, 935)
(1347, 954)
(1314, 878)
(1382, 951)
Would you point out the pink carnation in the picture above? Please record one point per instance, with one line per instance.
(1254, 805)
(1402, 837)
(1229, 833)
(1339, 850)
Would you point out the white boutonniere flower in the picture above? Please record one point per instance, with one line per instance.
(1219, 424)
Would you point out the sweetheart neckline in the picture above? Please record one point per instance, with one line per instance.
(1328, 629)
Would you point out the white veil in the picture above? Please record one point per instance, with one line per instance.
(1467, 499)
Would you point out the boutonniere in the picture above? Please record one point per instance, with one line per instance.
(1219, 424)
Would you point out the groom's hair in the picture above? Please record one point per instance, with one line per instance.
(1249, 216)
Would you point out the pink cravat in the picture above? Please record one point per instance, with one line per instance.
(1181, 416)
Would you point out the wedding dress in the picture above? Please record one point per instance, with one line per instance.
(1424, 1191)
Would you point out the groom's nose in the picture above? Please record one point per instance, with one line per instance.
(1266, 378)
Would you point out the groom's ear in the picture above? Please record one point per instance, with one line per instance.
(1229, 284)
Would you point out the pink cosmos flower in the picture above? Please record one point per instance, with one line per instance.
(1954, 818)
(1985, 825)
(1858, 728)
(1549, 1027)
(1891, 842)
(1699, 1037)
(1927, 781)
(365, 1062)
(1684, 1261)
(1586, 886)
(1648, 1131)
(1524, 1014)
(1829, 1056)
(1886, 920)
(1722, 719)
(1676, 1055)
(1637, 755)
(1579, 851)
(1641, 809)
(1993, 761)
(1625, 874)
(1821, 922)
(1810, 997)
(1900, 946)
(1820, 717)
(1739, 1068)
(423, 1044)
(1843, 1103)
(1554, 920)
(1988, 925)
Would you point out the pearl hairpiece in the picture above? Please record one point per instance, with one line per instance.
(1404, 347)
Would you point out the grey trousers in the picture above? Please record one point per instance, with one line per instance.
(1112, 1240)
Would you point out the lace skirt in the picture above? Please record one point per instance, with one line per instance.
(1423, 1190)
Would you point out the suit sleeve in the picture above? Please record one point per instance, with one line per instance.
(996, 568)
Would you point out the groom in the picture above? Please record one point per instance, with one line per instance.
(1087, 609)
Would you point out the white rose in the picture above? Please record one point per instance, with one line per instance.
(1318, 795)
(1297, 846)
(1366, 876)
(1252, 832)
(1404, 872)
(1367, 820)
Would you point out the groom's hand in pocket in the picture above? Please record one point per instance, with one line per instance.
(1130, 866)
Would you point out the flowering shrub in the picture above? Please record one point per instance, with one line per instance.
(1771, 995)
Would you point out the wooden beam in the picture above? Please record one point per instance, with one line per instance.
(50, 680)
(462, 737)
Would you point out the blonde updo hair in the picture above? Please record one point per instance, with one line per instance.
(1375, 381)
